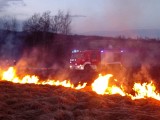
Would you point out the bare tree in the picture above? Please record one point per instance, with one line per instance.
(8, 23)
(61, 23)
(66, 21)
(32, 24)
(57, 22)
(38, 23)
(45, 21)
(39, 27)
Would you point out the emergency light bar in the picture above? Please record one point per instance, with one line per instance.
(75, 51)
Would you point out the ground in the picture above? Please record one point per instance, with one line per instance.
(38, 102)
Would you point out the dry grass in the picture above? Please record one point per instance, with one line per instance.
(37, 102)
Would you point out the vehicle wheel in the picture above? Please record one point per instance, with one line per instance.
(87, 68)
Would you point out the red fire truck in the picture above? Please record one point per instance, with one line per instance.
(94, 59)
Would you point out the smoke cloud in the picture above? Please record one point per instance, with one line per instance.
(5, 3)
(123, 14)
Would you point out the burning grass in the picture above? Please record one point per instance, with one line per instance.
(29, 98)
(29, 101)
(102, 85)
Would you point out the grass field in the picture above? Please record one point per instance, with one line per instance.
(38, 102)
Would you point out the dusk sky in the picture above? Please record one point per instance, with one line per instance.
(93, 15)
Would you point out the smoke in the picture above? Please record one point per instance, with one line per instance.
(123, 14)
(46, 65)
(143, 74)
(5, 3)
(11, 46)
(142, 65)
(114, 15)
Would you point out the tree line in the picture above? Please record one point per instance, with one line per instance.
(59, 23)
(44, 31)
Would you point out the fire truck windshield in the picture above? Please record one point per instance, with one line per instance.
(76, 55)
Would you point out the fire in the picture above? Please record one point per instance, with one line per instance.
(81, 86)
(101, 86)
(30, 79)
(116, 90)
(145, 90)
(10, 75)
(58, 83)
(64, 84)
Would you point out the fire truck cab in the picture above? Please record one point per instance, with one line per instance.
(94, 59)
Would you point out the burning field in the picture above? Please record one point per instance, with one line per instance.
(27, 97)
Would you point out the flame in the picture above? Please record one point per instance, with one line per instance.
(116, 90)
(145, 90)
(79, 86)
(10, 75)
(101, 86)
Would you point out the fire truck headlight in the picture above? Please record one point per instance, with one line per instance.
(81, 67)
(70, 66)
